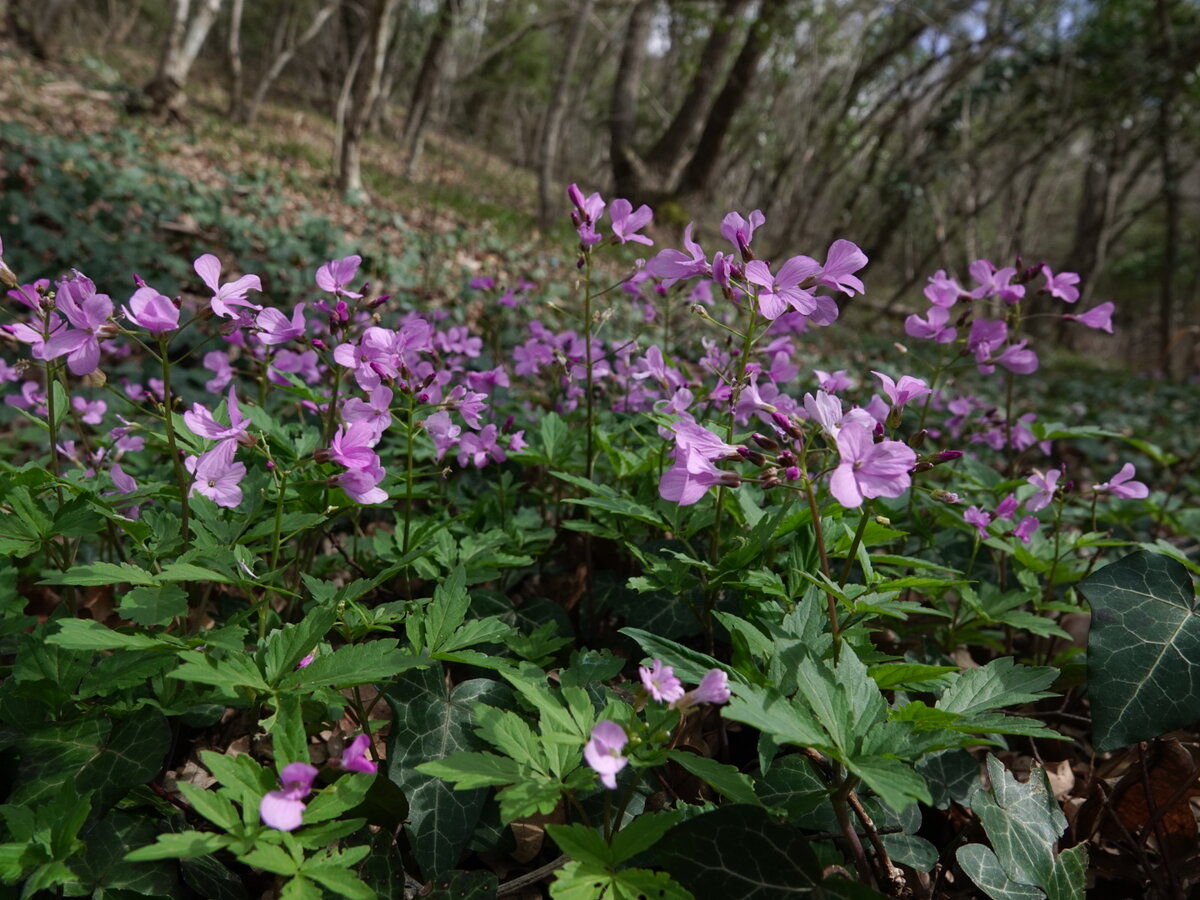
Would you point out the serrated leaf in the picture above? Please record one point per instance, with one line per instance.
(999, 683)
(102, 573)
(270, 858)
(689, 665)
(642, 833)
(726, 779)
(578, 881)
(88, 634)
(184, 845)
(212, 804)
(369, 663)
(582, 844)
(157, 605)
(1145, 637)
(286, 646)
(340, 881)
(232, 671)
(771, 713)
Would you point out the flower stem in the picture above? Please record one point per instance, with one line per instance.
(854, 544)
(180, 478)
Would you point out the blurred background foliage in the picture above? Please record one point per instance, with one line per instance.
(931, 132)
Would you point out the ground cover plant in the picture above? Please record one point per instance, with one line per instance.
(605, 586)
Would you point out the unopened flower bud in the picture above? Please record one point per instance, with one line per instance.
(379, 301)
(753, 456)
(730, 479)
(319, 344)
(137, 280)
(895, 416)
(768, 483)
(947, 456)
(945, 496)
(918, 439)
(921, 467)
(786, 425)
(108, 330)
(767, 443)
(884, 521)
(792, 473)
(321, 455)
(786, 458)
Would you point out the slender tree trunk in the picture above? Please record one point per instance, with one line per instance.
(628, 171)
(285, 56)
(697, 176)
(673, 148)
(1163, 133)
(366, 89)
(38, 24)
(185, 38)
(426, 85)
(556, 113)
(237, 106)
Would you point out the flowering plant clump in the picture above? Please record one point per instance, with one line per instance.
(642, 566)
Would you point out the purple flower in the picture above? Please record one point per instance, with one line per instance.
(479, 448)
(1046, 486)
(362, 485)
(217, 475)
(1007, 507)
(226, 296)
(933, 327)
(603, 751)
(713, 688)
(1098, 317)
(973, 515)
(354, 758)
(203, 424)
(995, 282)
(444, 432)
(671, 265)
(1061, 285)
(625, 222)
(778, 292)
(739, 231)
(91, 413)
(337, 273)
(868, 470)
(841, 262)
(482, 283)
(1026, 528)
(694, 473)
(1016, 358)
(1121, 485)
(907, 388)
(826, 410)
(217, 362)
(351, 445)
(660, 682)
(274, 327)
(87, 311)
(942, 290)
(376, 411)
(153, 311)
(985, 336)
(283, 810)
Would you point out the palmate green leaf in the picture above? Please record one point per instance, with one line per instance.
(999, 683)
(582, 844)
(689, 665)
(895, 781)
(467, 769)
(728, 780)
(155, 605)
(285, 647)
(184, 845)
(1143, 680)
(578, 881)
(772, 713)
(231, 671)
(88, 634)
(340, 881)
(369, 663)
(430, 723)
(102, 573)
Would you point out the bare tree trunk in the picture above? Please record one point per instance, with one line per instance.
(426, 85)
(38, 23)
(697, 176)
(628, 173)
(237, 106)
(672, 150)
(1170, 189)
(122, 16)
(366, 89)
(285, 56)
(556, 113)
(185, 38)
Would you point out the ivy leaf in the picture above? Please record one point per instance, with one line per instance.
(430, 723)
(982, 867)
(1145, 637)
(740, 851)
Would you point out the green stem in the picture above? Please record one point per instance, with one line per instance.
(181, 479)
(830, 600)
(408, 474)
(858, 536)
(263, 604)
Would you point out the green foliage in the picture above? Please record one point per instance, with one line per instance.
(1023, 823)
